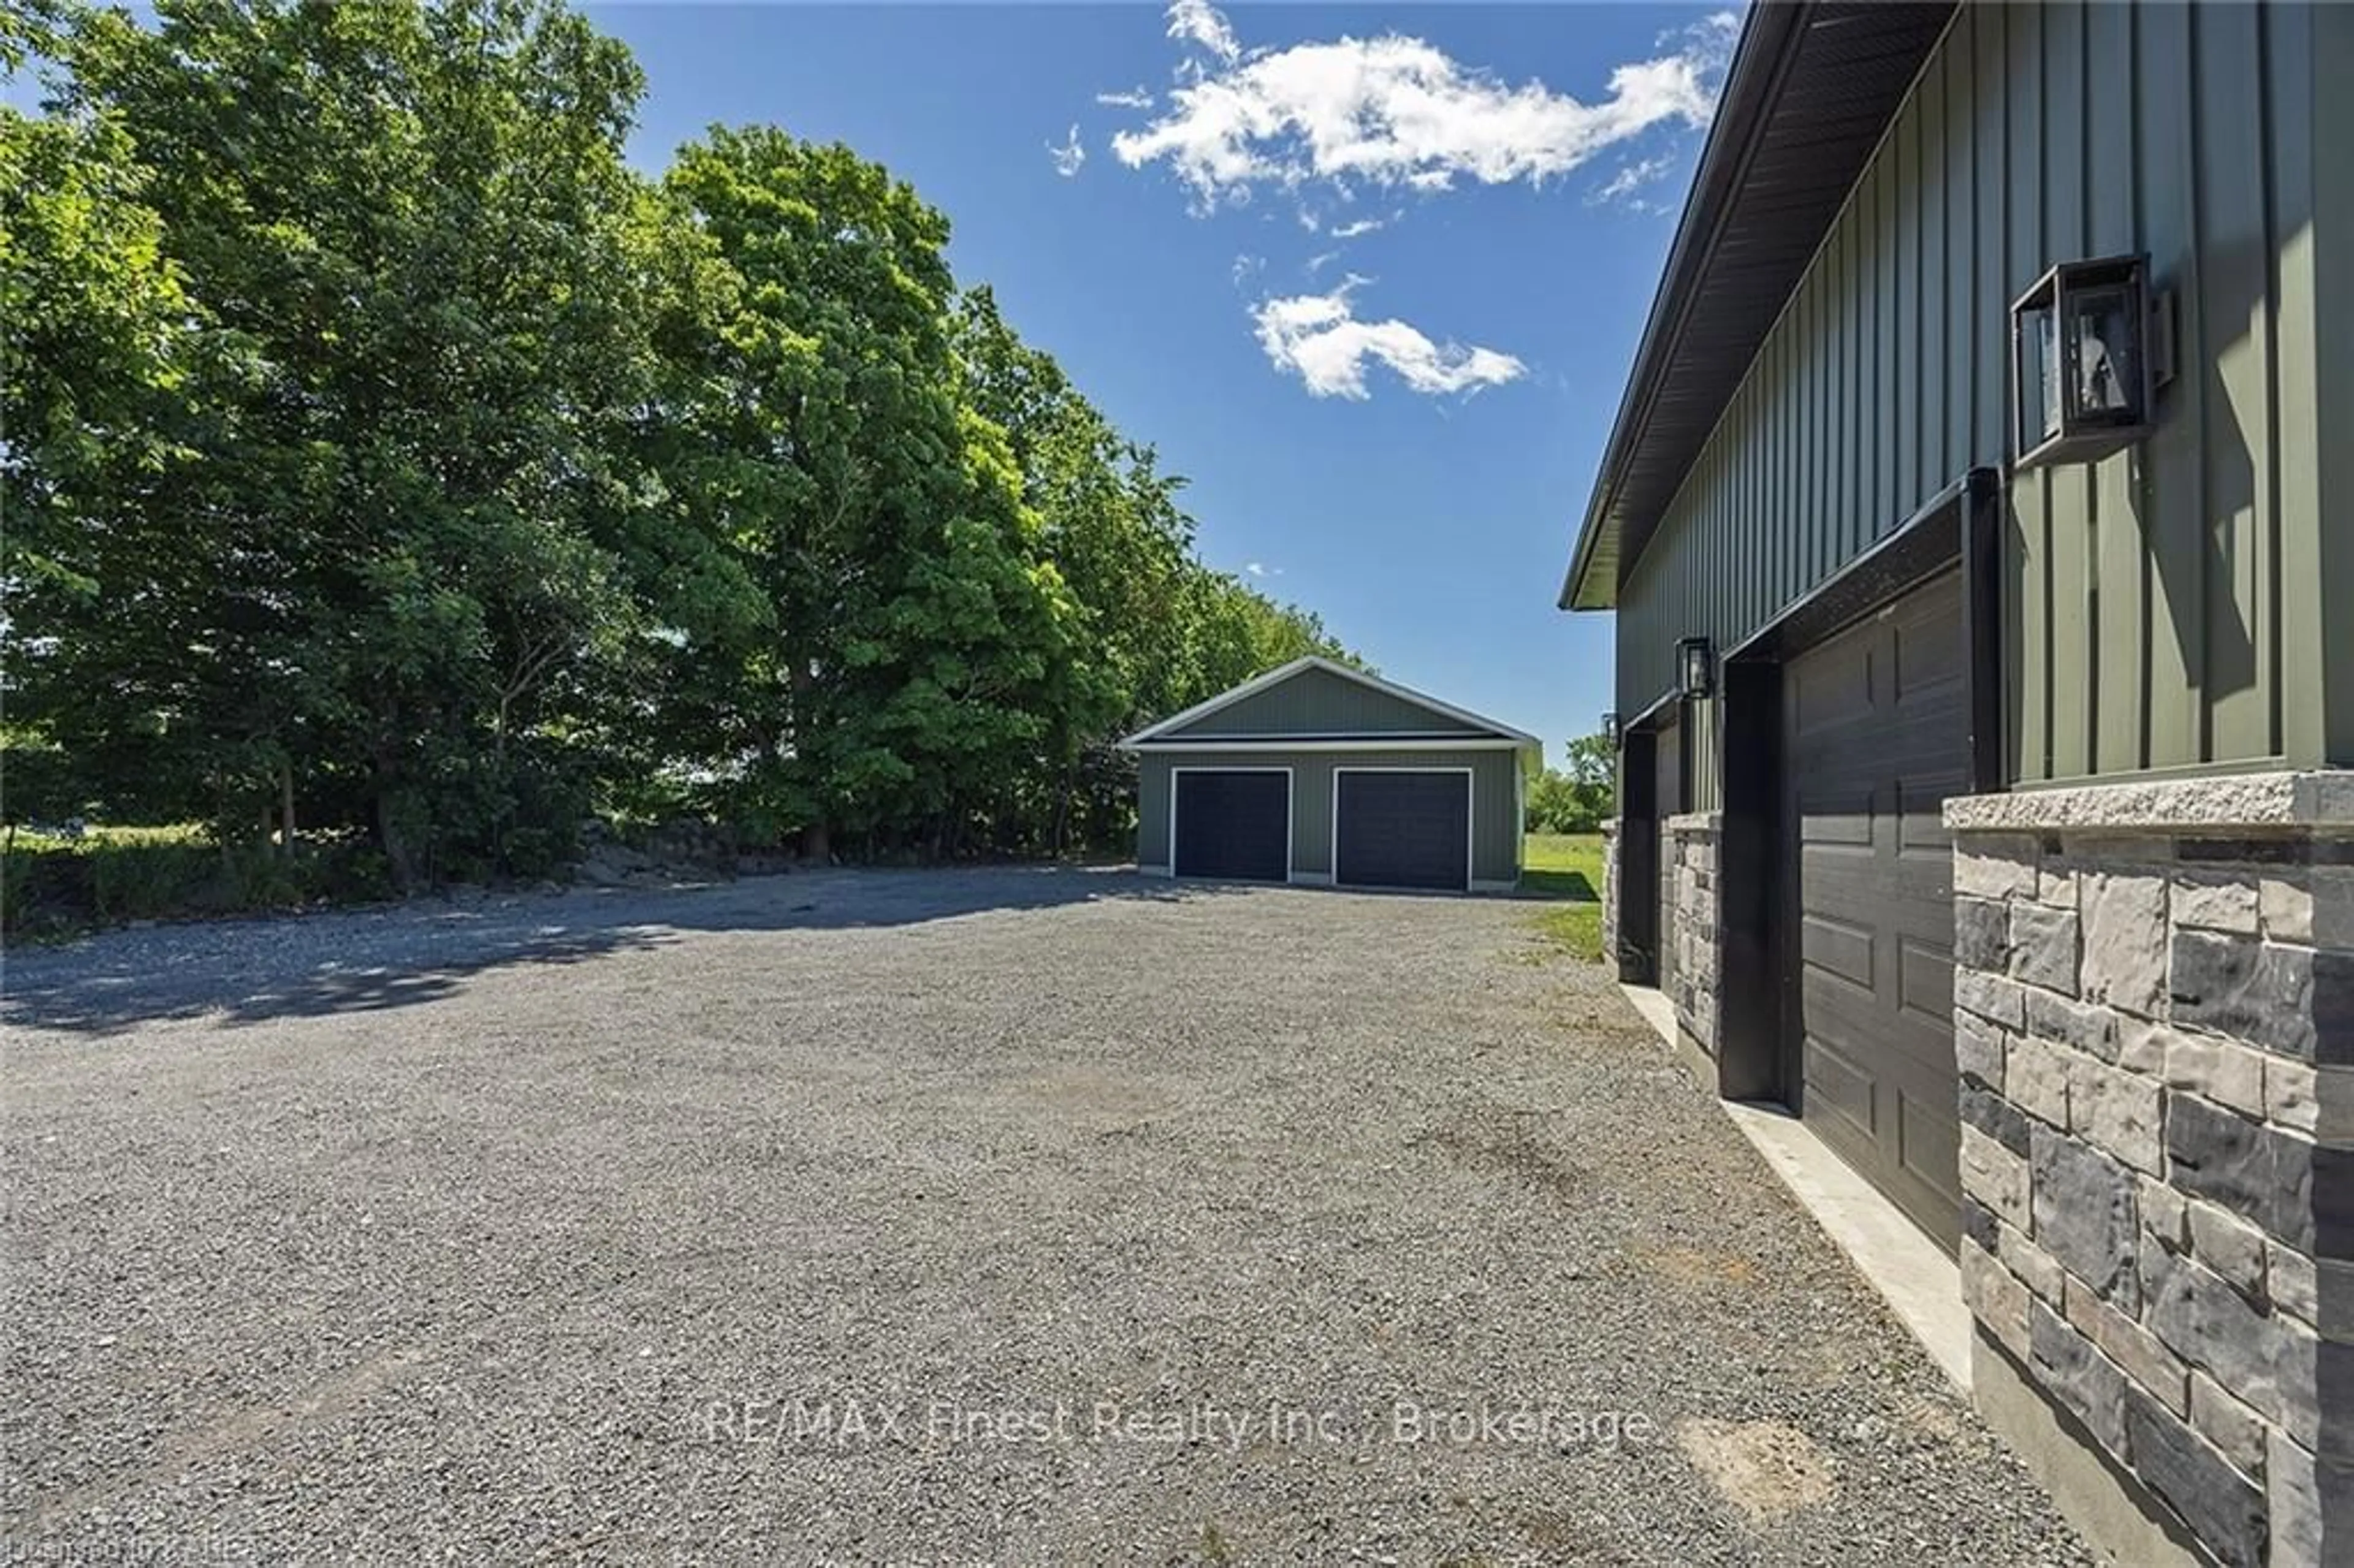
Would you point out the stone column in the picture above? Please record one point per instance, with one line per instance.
(2154, 1022)
(1690, 842)
(1610, 893)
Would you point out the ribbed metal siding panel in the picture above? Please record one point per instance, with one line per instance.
(1317, 701)
(2311, 58)
(2148, 610)
(2112, 543)
(2025, 622)
(1153, 810)
(1704, 786)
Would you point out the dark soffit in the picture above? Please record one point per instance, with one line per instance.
(1810, 91)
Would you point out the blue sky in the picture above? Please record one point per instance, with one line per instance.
(1524, 192)
(1369, 277)
(1427, 520)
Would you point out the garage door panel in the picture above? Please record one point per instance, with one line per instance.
(1400, 828)
(1924, 837)
(1834, 816)
(1876, 741)
(1845, 1013)
(1232, 823)
(1919, 1063)
(1920, 818)
(1929, 1139)
(1927, 658)
(1838, 948)
(1925, 980)
(1839, 694)
(1840, 1090)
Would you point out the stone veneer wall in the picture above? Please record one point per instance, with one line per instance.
(1610, 893)
(2155, 1027)
(1689, 844)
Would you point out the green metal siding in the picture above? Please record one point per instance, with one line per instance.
(1495, 800)
(1692, 727)
(1318, 702)
(1703, 777)
(2317, 542)
(2164, 608)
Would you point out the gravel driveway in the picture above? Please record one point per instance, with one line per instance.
(994, 1215)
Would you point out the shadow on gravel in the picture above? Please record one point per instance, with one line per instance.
(1569, 885)
(249, 971)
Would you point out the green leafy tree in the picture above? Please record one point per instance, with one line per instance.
(402, 231)
(1579, 798)
(914, 643)
(94, 364)
(1157, 630)
(1118, 546)
(381, 454)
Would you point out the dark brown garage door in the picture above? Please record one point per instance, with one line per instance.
(1876, 738)
(1395, 829)
(1232, 822)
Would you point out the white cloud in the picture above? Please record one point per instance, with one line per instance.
(1247, 267)
(1199, 22)
(1708, 40)
(1361, 225)
(1317, 264)
(1318, 338)
(1255, 568)
(1134, 98)
(1630, 179)
(1068, 155)
(1397, 111)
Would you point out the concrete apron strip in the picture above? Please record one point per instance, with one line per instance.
(1920, 1283)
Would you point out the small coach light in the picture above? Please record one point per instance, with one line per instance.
(2082, 362)
(1696, 662)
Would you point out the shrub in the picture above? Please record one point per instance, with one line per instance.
(52, 886)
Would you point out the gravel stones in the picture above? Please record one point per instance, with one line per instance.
(579, 1227)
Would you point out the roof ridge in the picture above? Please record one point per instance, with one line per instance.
(1269, 679)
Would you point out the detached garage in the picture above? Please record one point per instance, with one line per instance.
(1317, 773)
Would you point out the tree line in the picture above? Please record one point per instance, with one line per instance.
(382, 456)
(1579, 796)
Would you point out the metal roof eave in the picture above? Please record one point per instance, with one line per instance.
(1522, 738)
(1830, 74)
(1765, 29)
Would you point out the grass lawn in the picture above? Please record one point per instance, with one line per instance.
(1568, 867)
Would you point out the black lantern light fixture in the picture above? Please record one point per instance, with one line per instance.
(1610, 729)
(1696, 666)
(2084, 362)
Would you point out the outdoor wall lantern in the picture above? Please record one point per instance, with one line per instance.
(1610, 729)
(1696, 665)
(2082, 362)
